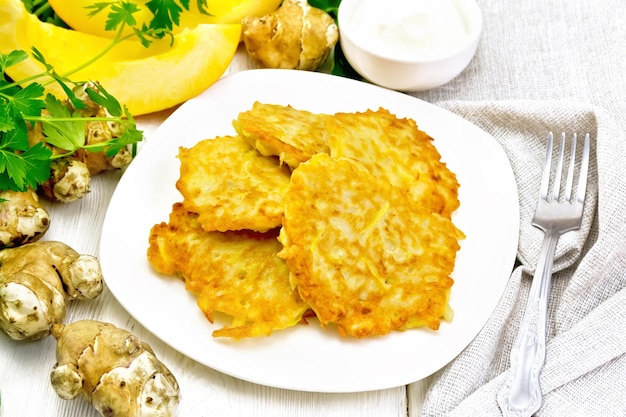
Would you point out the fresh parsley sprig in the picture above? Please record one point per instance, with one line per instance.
(21, 166)
(166, 15)
(24, 102)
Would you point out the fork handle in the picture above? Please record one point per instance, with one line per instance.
(520, 396)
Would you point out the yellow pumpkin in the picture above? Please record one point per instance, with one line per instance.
(144, 79)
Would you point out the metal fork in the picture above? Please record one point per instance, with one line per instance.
(556, 214)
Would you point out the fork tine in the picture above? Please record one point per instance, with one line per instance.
(559, 169)
(584, 169)
(545, 178)
(570, 171)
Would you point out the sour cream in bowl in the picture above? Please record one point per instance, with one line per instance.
(409, 45)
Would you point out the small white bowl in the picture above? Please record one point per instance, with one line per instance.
(425, 51)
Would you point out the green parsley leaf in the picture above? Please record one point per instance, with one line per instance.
(103, 98)
(166, 13)
(14, 57)
(15, 139)
(42, 59)
(97, 8)
(15, 167)
(6, 183)
(36, 162)
(130, 137)
(71, 96)
(6, 119)
(27, 168)
(121, 12)
(61, 128)
(202, 7)
(27, 100)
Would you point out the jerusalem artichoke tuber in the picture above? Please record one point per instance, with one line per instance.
(37, 280)
(22, 218)
(296, 36)
(115, 372)
(69, 180)
(71, 172)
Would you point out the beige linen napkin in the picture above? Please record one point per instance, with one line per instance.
(585, 369)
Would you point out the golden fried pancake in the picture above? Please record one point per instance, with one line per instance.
(292, 135)
(362, 253)
(237, 273)
(231, 186)
(396, 150)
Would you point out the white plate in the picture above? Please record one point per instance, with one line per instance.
(308, 358)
